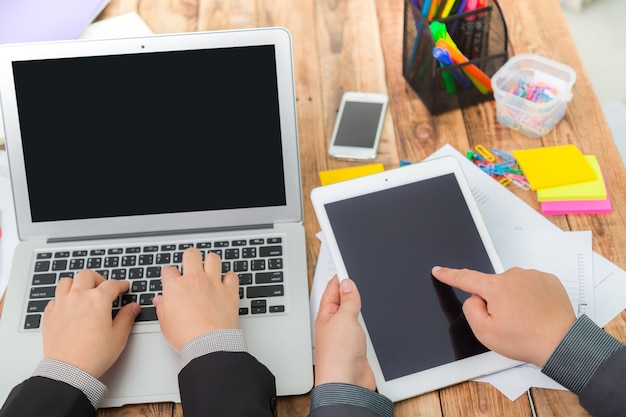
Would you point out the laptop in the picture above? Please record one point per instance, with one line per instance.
(125, 152)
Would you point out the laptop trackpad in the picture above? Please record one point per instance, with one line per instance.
(148, 367)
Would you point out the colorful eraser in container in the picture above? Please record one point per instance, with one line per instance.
(531, 93)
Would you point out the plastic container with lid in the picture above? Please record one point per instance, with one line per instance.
(532, 93)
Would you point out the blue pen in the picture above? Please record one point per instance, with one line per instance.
(458, 10)
(461, 7)
(444, 57)
(425, 7)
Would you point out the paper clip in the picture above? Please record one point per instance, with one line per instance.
(502, 154)
(505, 181)
(521, 184)
(484, 152)
(515, 176)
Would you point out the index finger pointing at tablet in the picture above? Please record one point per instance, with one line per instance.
(463, 279)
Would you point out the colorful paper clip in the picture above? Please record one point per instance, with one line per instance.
(484, 152)
(500, 165)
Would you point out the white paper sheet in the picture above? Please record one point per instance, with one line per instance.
(596, 286)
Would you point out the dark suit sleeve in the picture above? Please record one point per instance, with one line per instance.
(591, 363)
(40, 396)
(344, 400)
(227, 383)
(603, 396)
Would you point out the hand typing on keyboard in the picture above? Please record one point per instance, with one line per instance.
(78, 322)
(198, 301)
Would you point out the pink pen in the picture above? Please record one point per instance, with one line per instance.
(471, 5)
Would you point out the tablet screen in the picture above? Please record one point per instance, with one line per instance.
(389, 241)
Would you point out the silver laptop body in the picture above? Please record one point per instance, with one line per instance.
(153, 143)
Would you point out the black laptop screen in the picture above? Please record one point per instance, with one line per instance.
(151, 133)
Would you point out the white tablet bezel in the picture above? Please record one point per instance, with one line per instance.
(443, 375)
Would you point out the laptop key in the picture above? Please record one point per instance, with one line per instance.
(275, 263)
(258, 306)
(94, 263)
(103, 272)
(257, 264)
(118, 273)
(129, 298)
(42, 292)
(146, 259)
(153, 272)
(129, 260)
(147, 314)
(248, 252)
(139, 286)
(44, 279)
(240, 266)
(77, 263)
(111, 262)
(155, 285)
(277, 309)
(163, 258)
(135, 273)
(59, 264)
(42, 266)
(265, 291)
(269, 277)
(266, 251)
(37, 306)
(245, 279)
(32, 321)
(146, 299)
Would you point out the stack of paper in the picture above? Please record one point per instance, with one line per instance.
(566, 181)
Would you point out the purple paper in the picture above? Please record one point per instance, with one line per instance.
(46, 20)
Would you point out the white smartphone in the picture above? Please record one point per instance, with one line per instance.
(358, 126)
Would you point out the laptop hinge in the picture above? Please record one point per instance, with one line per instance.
(161, 233)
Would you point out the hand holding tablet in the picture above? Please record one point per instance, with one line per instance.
(386, 231)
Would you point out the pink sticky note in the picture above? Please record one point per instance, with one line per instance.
(553, 208)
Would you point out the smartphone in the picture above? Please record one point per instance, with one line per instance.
(358, 126)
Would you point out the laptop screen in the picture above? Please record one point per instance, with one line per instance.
(150, 133)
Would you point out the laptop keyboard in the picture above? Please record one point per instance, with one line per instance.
(257, 261)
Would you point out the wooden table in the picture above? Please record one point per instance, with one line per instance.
(342, 45)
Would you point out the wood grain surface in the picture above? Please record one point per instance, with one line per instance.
(342, 45)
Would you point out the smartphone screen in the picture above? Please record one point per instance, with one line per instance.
(358, 124)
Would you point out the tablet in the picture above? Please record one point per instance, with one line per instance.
(386, 231)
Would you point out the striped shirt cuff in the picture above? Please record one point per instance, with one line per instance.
(346, 394)
(580, 354)
(231, 340)
(79, 379)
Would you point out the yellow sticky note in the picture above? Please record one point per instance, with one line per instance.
(588, 190)
(342, 174)
(553, 166)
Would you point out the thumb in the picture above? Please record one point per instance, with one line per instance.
(475, 310)
(125, 318)
(350, 298)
